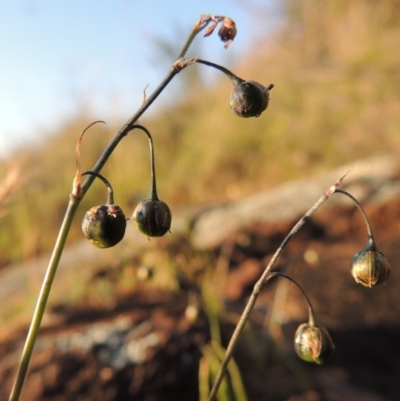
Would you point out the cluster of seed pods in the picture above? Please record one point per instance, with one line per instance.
(104, 225)
(369, 267)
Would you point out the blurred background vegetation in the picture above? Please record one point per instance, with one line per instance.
(336, 69)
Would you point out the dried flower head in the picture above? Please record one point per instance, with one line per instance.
(227, 31)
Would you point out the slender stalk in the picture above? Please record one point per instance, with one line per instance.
(42, 299)
(128, 126)
(110, 197)
(197, 27)
(234, 78)
(371, 238)
(153, 192)
(70, 213)
(200, 24)
(259, 286)
(311, 313)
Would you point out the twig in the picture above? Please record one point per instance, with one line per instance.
(259, 286)
(72, 208)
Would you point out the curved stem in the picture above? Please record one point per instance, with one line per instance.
(153, 193)
(128, 127)
(64, 231)
(311, 313)
(234, 78)
(259, 286)
(110, 198)
(371, 239)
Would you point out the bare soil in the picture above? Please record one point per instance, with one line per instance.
(146, 348)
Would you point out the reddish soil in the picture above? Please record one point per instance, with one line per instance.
(364, 324)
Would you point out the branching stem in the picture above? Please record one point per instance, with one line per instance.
(259, 286)
(70, 213)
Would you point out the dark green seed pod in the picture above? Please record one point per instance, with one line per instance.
(370, 267)
(249, 98)
(104, 225)
(313, 343)
(152, 217)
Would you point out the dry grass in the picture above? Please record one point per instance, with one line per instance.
(336, 70)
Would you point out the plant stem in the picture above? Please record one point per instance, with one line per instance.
(311, 313)
(64, 231)
(259, 286)
(128, 126)
(110, 197)
(234, 78)
(42, 300)
(200, 24)
(153, 191)
(371, 238)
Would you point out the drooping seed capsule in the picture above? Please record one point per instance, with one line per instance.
(227, 31)
(249, 98)
(370, 267)
(104, 225)
(152, 217)
(313, 343)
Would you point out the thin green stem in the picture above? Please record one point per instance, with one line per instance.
(110, 198)
(234, 78)
(200, 24)
(259, 286)
(65, 227)
(128, 126)
(371, 239)
(153, 193)
(42, 299)
(311, 314)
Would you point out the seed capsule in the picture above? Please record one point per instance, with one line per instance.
(249, 98)
(370, 267)
(152, 217)
(313, 343)
(228, 31)
(104, 225)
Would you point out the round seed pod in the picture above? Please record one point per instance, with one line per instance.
(249, 98)
(370, 267)
(313, 343)
(104, 225)
(152, 217)
(227, 31)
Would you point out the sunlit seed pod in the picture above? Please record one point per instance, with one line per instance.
(249, 98)
(370, 267)
(313, 343)
(104, 225)
(152, 217)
